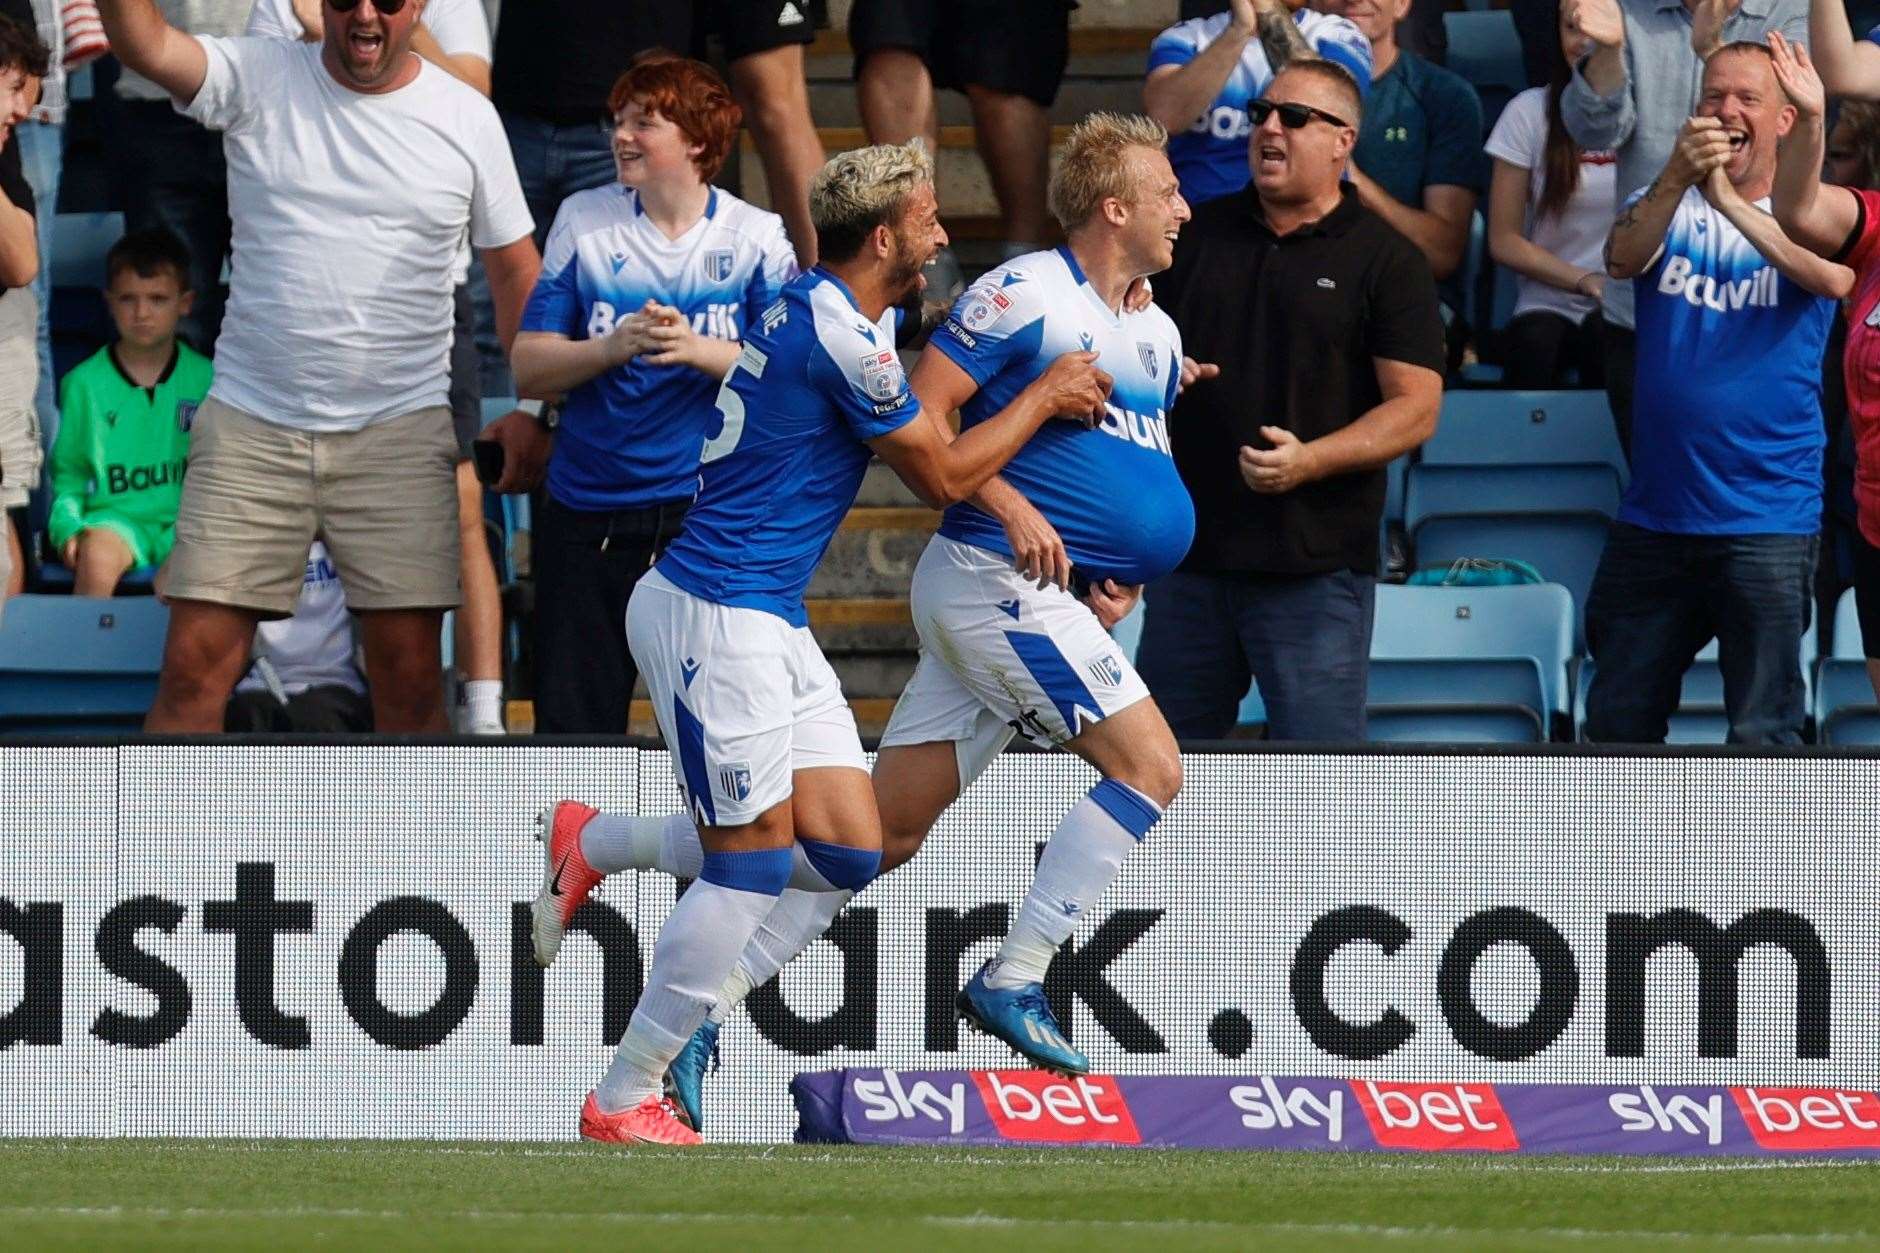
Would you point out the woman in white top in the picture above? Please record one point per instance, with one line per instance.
(1550, 205)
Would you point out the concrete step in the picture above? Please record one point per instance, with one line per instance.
(873, 554)
(871, 716)
(878, 675)
(878, 624)
(882, 486)
(964, 185)
(832, 100)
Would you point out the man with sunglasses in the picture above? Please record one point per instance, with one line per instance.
(355, 169)
(1325, 323)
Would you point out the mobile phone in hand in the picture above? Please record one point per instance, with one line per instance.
(488, 455)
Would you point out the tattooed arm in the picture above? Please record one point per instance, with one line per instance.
(1639, 234)
(1280, 36)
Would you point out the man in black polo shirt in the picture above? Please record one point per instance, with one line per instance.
(1325, 325)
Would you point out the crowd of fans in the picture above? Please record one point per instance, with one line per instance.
(1707, 311)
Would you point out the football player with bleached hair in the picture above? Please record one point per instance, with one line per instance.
(763, 744)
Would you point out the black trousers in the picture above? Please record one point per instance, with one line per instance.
(586, 566)
(1621, 369)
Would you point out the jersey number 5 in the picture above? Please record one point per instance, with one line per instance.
(731, 405)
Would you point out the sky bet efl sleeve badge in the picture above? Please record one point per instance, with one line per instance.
(881, 375)
(984, 306)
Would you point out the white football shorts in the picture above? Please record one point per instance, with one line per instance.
(742, 697)
(998, 657)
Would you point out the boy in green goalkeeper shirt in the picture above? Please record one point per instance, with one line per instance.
(124, 414)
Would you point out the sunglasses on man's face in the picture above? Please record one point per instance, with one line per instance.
(1291, 116)
(386, 8)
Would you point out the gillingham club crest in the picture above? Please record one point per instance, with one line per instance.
(718, 264)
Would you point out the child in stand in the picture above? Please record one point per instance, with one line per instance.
(118, 461)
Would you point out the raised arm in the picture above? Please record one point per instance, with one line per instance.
(1639, 233)
(1849, 66)
(1597, 105)
(1795, 262)
(1820, 218)
(1175, 95)
(146, 43)
(943, 473)
(465, 66)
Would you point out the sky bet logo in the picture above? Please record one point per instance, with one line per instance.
(1439, 1116)
(1803, 1120)
(1036, 1107)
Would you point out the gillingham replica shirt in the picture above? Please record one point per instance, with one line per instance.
(1726, 428)
(1112, 492)
(815, 382)
(122, 448)
(1210, 157)
(630, 437)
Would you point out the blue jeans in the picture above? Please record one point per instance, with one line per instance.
(1307, 638)
(42, 152)
(553, 163)
(1659, 598)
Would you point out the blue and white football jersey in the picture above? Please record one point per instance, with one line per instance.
(1727, 433)
(1112, 492)
(630, 437)
(1210, 157)
(815, 381)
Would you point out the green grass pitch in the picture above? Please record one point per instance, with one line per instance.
(162, 1194)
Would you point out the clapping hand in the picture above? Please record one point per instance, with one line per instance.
(1798, 77)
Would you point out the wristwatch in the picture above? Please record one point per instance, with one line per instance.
(548, 413)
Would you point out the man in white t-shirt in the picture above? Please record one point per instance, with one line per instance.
(355, 168)
(453, 35)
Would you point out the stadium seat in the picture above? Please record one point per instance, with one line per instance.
(1470, 663)
(1444, 490)
(73, 664)
(1701, 716)
(1525, 428)
(79, 244)
(1845, 709)
(1486, 50)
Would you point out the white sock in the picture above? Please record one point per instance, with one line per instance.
(700, 943)
(667, 842)
(797, 922)
(483, 706)
(1084, 854)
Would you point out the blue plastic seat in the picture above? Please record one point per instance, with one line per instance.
(79, 244)
(1845, 709)
(1564, 547)
(1470, 663)
(1525, 428)
(1485, 49)
(1433, 490)
(71, 664)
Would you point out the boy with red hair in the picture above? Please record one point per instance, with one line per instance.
(647, 288)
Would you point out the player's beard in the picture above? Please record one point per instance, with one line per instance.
(904, 279)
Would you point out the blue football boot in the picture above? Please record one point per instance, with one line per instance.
(685, 1078)
(1022, 1018)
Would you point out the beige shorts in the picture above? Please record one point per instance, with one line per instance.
(257, 495)
(20, 449)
